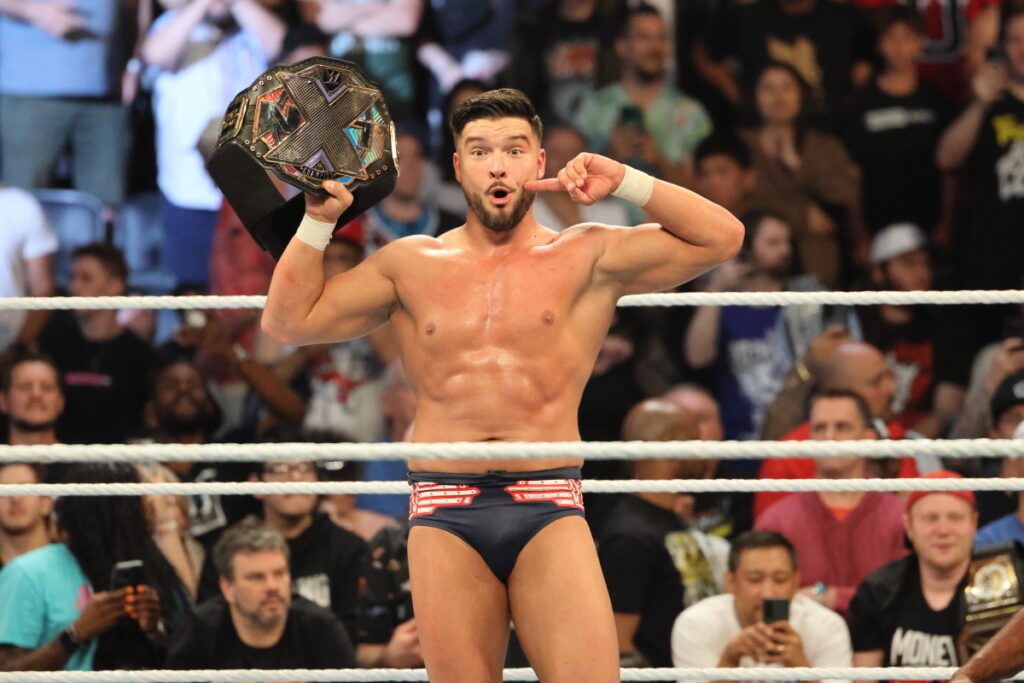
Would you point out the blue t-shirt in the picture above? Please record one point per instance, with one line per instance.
(750, 368)
(41, 592)
(1008, 528)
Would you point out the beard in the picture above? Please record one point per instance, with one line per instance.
(32, 427)
(507, 217)
(176, 423)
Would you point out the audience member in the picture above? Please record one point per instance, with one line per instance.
(256, 623)
(910, 612)
(928, 350)
(202, 53)
(828, 43)
(894, 127)
(448, 192)
(325, 560)
(24, 520)
(562, 54)
(103, 366)
(342, 509)
(379, 37)
(724, 171)
(27, 245)
(58, 609)
(64, 76)
(807, 170)
(742, 343)
(642, 119)
(181, 410)
(986, 140)
(556, 210)
(1007, 418)
(992, 364)
(32, 398)
(653, 562)
(841, 537)
(730, 630)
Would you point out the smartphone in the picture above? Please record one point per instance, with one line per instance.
(127, 573)
(776, 609)
(631, 115)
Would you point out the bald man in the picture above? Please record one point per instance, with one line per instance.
(850, 366)
(653, 563)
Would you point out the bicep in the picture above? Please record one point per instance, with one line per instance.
(354, 303)
(648, 258)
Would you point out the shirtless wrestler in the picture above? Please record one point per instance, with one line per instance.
(499, 323)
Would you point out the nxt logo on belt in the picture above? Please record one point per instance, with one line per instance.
(564, 493)
(427, 498)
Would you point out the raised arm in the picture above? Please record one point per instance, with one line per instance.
(958, 140)
(691, 236)
(304, 309)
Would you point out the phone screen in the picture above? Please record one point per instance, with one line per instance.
(633, 116)
(127, 573)
(776, 609)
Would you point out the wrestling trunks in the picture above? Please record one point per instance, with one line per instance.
(496, 513)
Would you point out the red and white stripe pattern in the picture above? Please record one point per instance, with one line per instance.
(427, 497)
(564, 493)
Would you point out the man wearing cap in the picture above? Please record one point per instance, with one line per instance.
(929, 355)
(1007, 418)
(908, 612)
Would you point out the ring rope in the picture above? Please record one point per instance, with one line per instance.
(591, 450)
(869, 298)
(525, 674)
(589, 486)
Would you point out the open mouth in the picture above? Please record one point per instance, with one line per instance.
(500, 196)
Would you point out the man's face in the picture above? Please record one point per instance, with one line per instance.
(704, 409)
(644, 47)
(183, 405)
(290, 505)
(90, 278)
(867, 374)
(34, 401)
(837, 419)
(777, 95)
(941, 528)
(1006, 424)
(260, 588)
(907, 272)
(722, 180)
(762, 573)
(900, 46)
(494, 158)
(410, 156)
(771, 250)
(20, 514)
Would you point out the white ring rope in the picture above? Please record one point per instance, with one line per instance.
(489, 450)
(230, 488)
(965, 296)
(652, 674)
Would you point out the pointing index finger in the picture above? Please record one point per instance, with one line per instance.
(544, 185)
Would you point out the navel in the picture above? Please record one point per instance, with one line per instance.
(430, 328)
(547, 317)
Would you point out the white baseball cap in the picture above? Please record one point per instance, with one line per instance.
(895, 240)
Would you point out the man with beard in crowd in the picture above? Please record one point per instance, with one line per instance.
(181, 410)
(23, 519)
(32, 398)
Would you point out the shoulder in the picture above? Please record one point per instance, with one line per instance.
(814, 616)
(784, 512)
(887, 580)
(342, 540)
(41, 560)
(707, 612)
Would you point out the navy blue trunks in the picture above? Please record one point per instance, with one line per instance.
(496, 513)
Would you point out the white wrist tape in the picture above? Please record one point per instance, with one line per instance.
(316, 234)
(636, 187)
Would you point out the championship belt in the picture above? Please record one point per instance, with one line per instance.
(320, 119)
(992, 595)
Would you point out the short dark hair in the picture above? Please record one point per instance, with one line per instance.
(109, 256)
(7, 371)
(642, 9)
(863, 409)
(901, 14)
(725, 145)
(251, 535)
(496, 104)
(758, 538)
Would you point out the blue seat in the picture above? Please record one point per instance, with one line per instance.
(138, 234)
(77, 219)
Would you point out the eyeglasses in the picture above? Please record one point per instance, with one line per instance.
(300, 471)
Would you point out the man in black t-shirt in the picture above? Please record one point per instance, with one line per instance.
(104, 367)
(326, 560)
(909, 612)
(255, 623)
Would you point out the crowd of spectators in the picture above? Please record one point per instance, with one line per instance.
(865, 144)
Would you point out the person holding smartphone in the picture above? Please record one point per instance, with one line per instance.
(763, 619)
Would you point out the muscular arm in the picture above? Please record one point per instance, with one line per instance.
(303, 309)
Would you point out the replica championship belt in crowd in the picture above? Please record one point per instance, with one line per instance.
(320, 119)
(994, 593)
